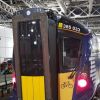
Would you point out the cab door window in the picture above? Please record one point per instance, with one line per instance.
(71, 49)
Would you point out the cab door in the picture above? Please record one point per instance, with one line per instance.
(31, 60)
(69, 47)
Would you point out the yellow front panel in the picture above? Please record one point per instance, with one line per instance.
(36, 88)
(33, 88)
(42, 88)
(24, 87)
(65, 86)
(30, 88)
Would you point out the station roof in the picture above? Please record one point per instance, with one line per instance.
(85, 11)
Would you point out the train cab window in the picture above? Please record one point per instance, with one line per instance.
(30, 48)
(70, 52)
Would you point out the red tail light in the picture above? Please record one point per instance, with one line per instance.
(82, 82)
(13, 78)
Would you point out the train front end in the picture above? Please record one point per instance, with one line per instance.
(76, 80)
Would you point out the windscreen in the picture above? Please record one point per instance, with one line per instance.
(30, 48)
(71, 49)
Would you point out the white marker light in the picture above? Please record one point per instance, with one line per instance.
(13, 80)
(28, 13)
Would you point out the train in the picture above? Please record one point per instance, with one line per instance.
(56, 57)
(6, 77)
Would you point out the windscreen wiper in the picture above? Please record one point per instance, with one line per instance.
(72, 74)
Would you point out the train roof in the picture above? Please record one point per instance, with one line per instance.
(67, 21)
(51, 14)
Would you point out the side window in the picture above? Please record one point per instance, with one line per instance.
(71, 48)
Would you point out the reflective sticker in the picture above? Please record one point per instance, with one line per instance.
(60, 25)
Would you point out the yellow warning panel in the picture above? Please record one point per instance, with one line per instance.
(39, 90)
(42, 88)
(60, 25)
(24, 88)
(29, 88)
(33, 88)
(65, 86)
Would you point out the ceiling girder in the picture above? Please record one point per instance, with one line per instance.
(90, 6)
(6, 21)
(82, 12)
(62, 6)
(9, 9)
(29, 3)
(85, 11)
